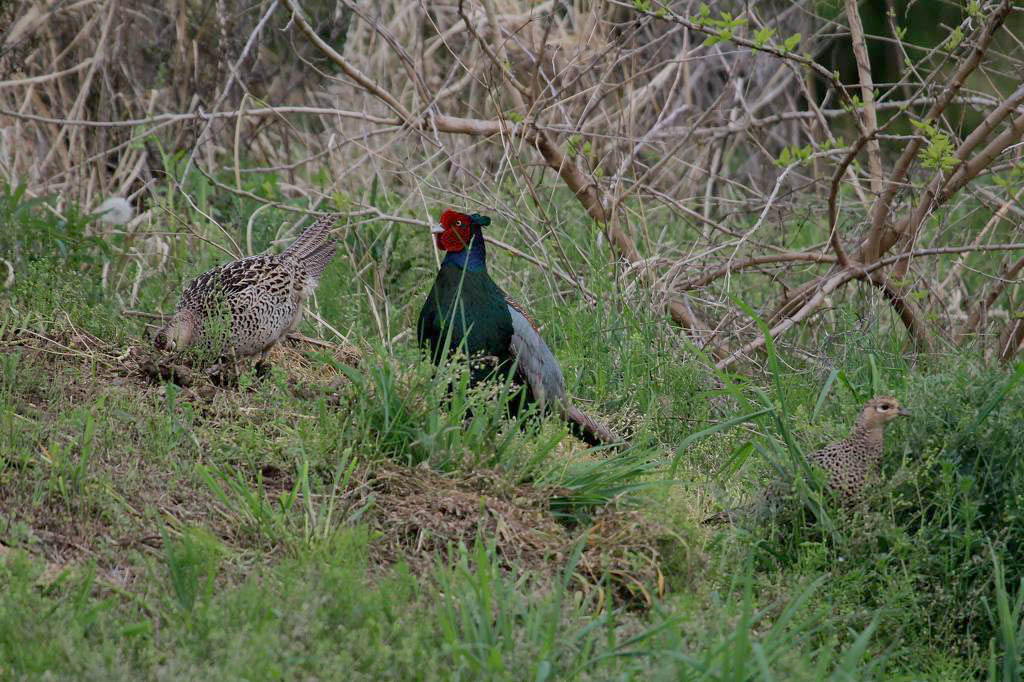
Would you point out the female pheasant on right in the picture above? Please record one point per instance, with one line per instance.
(848, 464)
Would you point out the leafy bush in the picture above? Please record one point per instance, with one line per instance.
(967, 499)
(29, 233)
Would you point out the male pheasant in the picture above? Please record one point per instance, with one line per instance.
(245, 307)
(848, 464)
(465, 306)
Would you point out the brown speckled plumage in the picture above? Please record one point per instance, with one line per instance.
(246, 306)
(853, 462)
(849, 464)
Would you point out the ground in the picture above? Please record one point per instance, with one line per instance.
(340, 517)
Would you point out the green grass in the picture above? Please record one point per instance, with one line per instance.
(314, 524)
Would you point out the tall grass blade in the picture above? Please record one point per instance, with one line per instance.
(877, 385)
(823, 393)
(704, 433)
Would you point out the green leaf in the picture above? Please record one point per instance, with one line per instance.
(762, 37)
(573, 144)
(954, 40)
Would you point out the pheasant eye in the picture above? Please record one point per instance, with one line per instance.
(883, 407)
(458, 223)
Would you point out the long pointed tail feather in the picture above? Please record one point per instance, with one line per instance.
(310, 241)
(588, 429)
(318, 259)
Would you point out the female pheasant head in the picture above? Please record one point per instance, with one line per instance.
(880, 411)
(178, 333)
(455, 230)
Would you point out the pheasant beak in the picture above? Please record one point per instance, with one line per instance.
(904, 412)
(436, 229)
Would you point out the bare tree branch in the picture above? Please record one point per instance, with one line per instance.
(867, 93)
(882, 206)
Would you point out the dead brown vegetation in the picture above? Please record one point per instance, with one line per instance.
(696, 143)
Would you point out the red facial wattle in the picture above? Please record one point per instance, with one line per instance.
(454, 238)
(457, 231)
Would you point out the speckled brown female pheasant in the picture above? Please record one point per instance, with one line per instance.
(849, 464)
(245, 307)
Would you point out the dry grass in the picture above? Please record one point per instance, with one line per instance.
(701, 162)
